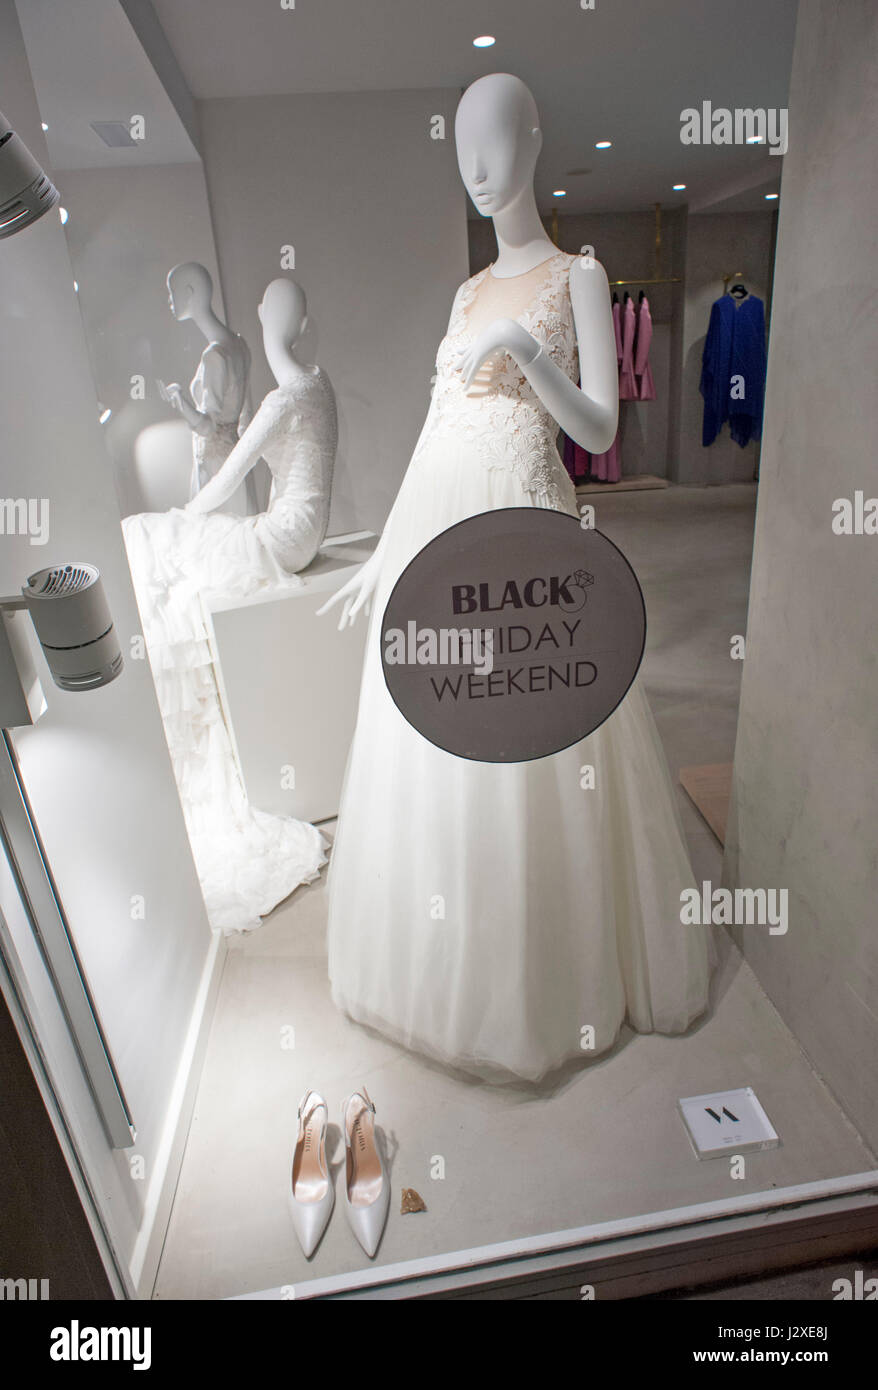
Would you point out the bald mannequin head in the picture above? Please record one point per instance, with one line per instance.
(497, 130)
(190, 289)
(283, 311)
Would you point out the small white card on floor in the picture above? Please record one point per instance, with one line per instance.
(727, 1121)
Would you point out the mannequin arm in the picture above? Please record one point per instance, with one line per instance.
(245, 455)
(589, 417)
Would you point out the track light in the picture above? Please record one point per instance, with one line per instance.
(73, 622)
(25, 190)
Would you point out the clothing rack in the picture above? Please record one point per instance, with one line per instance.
(659, 280)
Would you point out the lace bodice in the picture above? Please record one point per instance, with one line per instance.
(500, 413)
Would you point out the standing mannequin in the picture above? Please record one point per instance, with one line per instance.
(247, 860)
(215, 408)
(559, 908)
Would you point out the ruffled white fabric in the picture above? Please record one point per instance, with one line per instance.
(498, 917)
(247, 860)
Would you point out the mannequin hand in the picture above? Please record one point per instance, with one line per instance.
(505, 335)
(355, 594)
(173, 394)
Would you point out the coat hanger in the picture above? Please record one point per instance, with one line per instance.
(615, 296)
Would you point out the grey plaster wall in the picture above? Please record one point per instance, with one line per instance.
(804, 810)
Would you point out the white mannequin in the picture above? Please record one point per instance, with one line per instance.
(216, 406)
(498, 140)
(247, 860)
(294, 430)
(561, 907)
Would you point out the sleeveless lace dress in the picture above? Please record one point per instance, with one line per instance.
(487, 914)
(247, 860)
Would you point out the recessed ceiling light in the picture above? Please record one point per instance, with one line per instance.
(43, 124)
(484, 41)
(771, 195)
(603, 144)
(678, 187)
(63, 214)
(559, 192)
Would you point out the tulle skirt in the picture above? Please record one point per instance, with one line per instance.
(505, 918)
(247, 860)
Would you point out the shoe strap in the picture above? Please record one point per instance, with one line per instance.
(303, 1109)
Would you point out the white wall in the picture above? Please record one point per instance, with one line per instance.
(376, 212)
(805, 804)
(96, 766)
(127, 228)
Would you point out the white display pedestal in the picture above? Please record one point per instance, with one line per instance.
(290, 683)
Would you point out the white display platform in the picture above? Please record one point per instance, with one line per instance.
(290, 683)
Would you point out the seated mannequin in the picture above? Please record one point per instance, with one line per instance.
(216, 407)
(247, 860)
(295, 430)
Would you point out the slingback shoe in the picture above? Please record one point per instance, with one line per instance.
(311, 1193)
(367, 1185)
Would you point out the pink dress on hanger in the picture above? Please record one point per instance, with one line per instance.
(642, 369)
(627, 382)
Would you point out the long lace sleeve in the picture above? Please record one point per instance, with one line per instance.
(265, 426)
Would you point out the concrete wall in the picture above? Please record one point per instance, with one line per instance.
(96, 765)
(375, 211)
(805, 804)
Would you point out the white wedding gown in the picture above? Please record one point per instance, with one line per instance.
(486, 914)
(247, 860)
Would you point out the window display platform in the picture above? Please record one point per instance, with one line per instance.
(603, 1142)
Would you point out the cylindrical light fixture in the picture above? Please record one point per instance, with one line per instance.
(25, 190)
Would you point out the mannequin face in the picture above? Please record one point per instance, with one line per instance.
(190, 289)
(179, 298)
(282, 312)
(498, 141)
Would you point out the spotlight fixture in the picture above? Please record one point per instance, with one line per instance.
(772, 196)
(678, 187)
(603, 144)
(73, 622)
(25, 190)
(484, 41)
(559, 192)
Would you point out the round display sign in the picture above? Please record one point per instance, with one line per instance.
(512, 635)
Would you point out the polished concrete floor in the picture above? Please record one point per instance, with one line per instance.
(604, 1141)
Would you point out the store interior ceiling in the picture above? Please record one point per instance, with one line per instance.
(621, 72)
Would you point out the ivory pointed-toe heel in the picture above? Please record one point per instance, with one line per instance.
(367, 1184)
(311, 1193)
